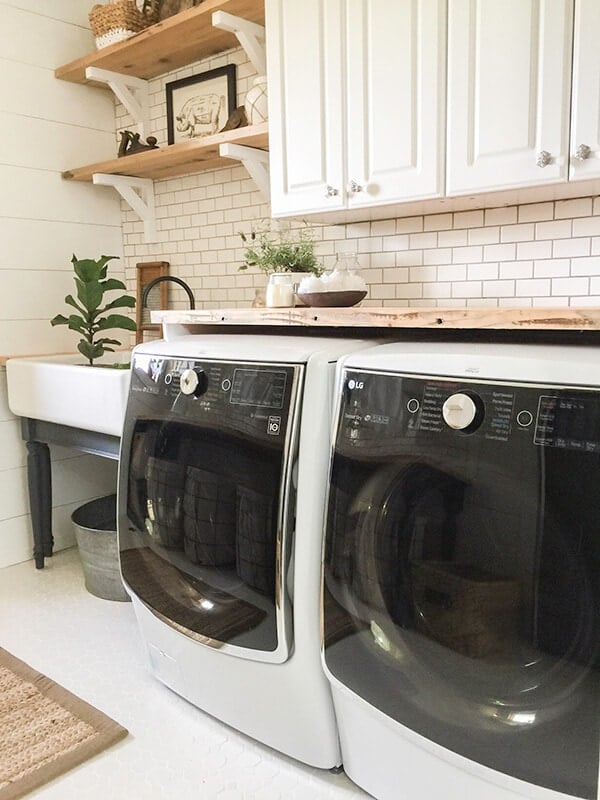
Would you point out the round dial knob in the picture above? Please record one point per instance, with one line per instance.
(459, 411)
(193, 382)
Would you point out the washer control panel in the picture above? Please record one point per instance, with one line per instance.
(396, 406)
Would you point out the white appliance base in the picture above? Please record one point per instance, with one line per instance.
(390, 761)
(285, 706)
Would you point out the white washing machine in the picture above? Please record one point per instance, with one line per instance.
(461, 592)
(222, 483)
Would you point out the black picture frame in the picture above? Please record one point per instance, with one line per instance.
(201, 104)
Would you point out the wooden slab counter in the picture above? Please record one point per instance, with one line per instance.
(401, 318)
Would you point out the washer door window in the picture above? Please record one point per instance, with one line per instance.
(462, 568)
(207, 507)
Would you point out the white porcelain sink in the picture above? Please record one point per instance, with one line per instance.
(63, 389)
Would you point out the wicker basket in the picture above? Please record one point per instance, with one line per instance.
(465, 608)
(120, 19)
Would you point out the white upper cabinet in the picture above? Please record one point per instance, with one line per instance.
(395, 100)
(509, 89)
(356, 102)
(304, 56)
(585, 120)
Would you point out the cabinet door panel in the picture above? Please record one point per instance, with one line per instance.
(395, 66)
(305, 105)
(585, 120)
(508, 92)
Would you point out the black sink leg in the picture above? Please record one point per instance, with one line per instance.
(39, 478)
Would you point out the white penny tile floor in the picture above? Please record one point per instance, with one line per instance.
(174, 750)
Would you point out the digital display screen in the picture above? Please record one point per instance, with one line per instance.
(258, 387)
(571, 422)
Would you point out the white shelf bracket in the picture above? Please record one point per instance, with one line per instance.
(132, 92)
(254, 160)
(250, 35)
(138, 193)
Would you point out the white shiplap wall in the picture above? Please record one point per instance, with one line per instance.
(47, 126)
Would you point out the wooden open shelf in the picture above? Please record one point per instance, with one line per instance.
(173, 43)
(183, 158)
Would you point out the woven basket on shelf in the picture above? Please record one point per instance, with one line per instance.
(120, 19)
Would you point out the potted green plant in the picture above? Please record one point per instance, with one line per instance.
(281, 251)
(93, 318)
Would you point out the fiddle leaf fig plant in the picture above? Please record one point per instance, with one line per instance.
(93, 318)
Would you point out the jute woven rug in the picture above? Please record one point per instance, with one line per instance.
(44, 729)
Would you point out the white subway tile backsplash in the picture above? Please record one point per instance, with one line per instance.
(527, 250)
(439, 255)
(565, 248)
(489, 235)
(580, 207)
(536, 212)
(499, 252)
(452, 272)
(458, 238)
(409, 225)
(480, 272)
(501, 288)
(501, 216)
(438, 222)
(422, 240)
(517, 233)
(466, 289)
(586, 226)
(559, 229)
(585, 266)
(396, 242)
(533, 288)
(570, 286)
(468, 219)
(467, 255)
(516, 269)
(552, 268)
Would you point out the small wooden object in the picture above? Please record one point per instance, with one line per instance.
(157, 297)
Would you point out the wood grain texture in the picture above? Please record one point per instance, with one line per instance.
(183, 158)
(574, 319)
(168, 45)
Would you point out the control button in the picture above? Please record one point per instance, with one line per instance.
(193, 382)
(459, 411)
(168, 378)
(226, 385)
(524, 418)
(413, 405)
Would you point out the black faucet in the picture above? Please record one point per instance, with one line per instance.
(161, 278)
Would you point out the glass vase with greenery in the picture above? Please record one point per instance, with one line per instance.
(286, 250)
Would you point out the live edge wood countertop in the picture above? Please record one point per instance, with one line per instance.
(413, 318)
(466, 320)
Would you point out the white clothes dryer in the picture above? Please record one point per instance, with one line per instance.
(222, 483)
(461, 592)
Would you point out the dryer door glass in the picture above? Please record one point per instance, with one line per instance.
(462, 568)
(208, 499)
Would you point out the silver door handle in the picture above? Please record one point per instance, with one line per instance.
(582, 152)
(331, 192)
(543, 158)
(354, 187)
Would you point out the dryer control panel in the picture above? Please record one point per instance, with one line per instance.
(384, 408)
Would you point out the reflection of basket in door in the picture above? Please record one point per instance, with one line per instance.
(120, 19)
(255, 558)
(165, 481)
(465, 608)
(209, 516)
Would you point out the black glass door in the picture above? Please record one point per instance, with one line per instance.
(207, 498)
(462, 569)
